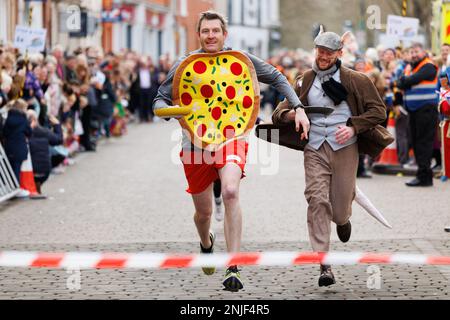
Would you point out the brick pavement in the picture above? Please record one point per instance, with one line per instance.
(130, 197)
(269, 283)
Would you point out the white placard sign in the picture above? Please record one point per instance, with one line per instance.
(402, 27)
(32, 39)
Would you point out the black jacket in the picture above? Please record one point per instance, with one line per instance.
(40, 141)
(426, 73)
(15, 132)
(4, 99)
(106, 98)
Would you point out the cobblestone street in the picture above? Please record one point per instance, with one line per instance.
(130, 197)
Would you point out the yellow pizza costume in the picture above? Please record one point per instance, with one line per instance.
(218, 95)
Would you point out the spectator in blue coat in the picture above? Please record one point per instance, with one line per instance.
(15, 132)
(40, 141)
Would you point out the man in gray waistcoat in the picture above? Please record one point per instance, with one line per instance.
(335, 140)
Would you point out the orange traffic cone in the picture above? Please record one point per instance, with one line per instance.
(389, 155)
(388, 162)
(27, 177)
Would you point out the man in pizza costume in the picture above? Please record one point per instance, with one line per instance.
(335, 140)
(214, 94)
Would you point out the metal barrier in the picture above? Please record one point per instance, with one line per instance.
(9, 186)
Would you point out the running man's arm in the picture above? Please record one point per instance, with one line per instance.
(164, 97)
(270, 75)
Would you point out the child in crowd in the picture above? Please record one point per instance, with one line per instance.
(40, 141)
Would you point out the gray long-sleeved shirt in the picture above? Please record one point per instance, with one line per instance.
(265, 72)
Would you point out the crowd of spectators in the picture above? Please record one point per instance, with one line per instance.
(58, 104)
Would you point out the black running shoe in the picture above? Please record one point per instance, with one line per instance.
(326, 276)
(232, 281)
(209, 270)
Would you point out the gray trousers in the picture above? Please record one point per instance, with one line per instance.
(403, 136)
(330, 189)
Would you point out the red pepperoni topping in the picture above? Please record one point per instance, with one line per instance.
(216, 113)
(229, 132)
(236, 68)
(248, 102)
(207, 91)
(201, 130)
(186, 99)
(200, 67)
(231, 92)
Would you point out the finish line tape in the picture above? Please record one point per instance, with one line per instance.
(146, 260)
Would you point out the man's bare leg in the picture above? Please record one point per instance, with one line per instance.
(230, 176)
(202, 219)
(202, 216)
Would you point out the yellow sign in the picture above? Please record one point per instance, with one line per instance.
(445, 28)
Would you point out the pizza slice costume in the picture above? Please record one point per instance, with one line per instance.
(218, 95)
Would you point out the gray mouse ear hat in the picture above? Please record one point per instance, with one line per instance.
(329, 40)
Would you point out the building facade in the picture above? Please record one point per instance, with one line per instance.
(301, 19)
(54, 16)
(63, 25)
(8, 20)
(253, 25)
(150, 27)
(153, 27)
(188, 14)
(134, 25)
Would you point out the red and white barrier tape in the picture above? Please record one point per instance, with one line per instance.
(143, 260)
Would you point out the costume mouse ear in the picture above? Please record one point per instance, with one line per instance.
(321, 30)
(346, 37)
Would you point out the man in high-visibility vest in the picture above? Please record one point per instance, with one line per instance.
(419, 83)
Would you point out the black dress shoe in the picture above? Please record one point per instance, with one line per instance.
(417, 183)
(344, 232)
(326, 276)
